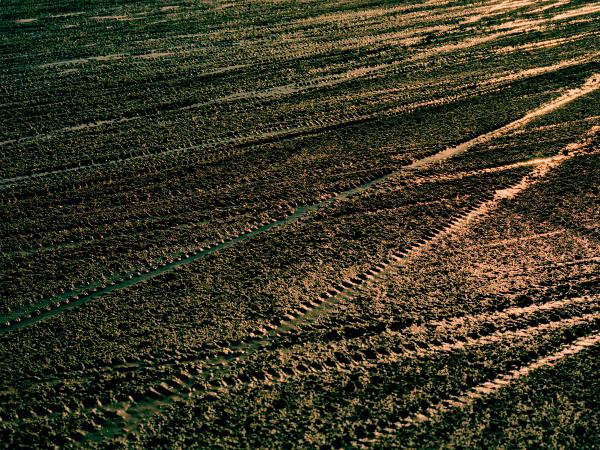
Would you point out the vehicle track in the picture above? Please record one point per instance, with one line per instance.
(591, 85)
(67, 300)
(211, 376)
(50, 307)
(284, 131)
(486, 389)
(301, 344)
(308, 46)
(518, 240)
(308, 311)
(366, 330)
(242, 143)
(402, 256)
(312, 309)
(421, 179)
(542, 267)
(420, 16)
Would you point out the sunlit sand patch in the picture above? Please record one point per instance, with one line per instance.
(154, 55)
(589, 139)
(541, 70)
(467, 43)
(551, 6)
(589, 9)
(544, 44)
(520, 25)
(573, 22)
(389, 22)
(472, 19)
(400, 38)
(540, 23)
(514, 311)
(118, 18)
(353, 15)
(509, 5)
(61, 16)
(109, 17)
(458, 13)
(365, 13)
(389, 37)
(404, 38)
(113, 57)
(326, 81)
(495, 10)
(100, 123)
(404, 14)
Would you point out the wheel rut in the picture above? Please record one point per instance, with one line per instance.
(264, 336)
(486, 389)
(65, 301)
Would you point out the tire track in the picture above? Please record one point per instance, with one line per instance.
(315, 126)
(515, 311)
(591, 9)
(512, 314)
(241, 142)
(68, 301)
(494, 315)
(590, 85)
(489, 388)
(544, 44)
(402, 256)
(417, 179)
(372, 353)
(313, 308)
(518, 240)
(402, 340)
(543, 267)
(224, 367)
(310, 46)
(211, 377)
(274, 92)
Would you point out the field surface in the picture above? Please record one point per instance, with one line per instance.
(300, 224)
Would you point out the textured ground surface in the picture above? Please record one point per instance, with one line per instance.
(272, 224)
